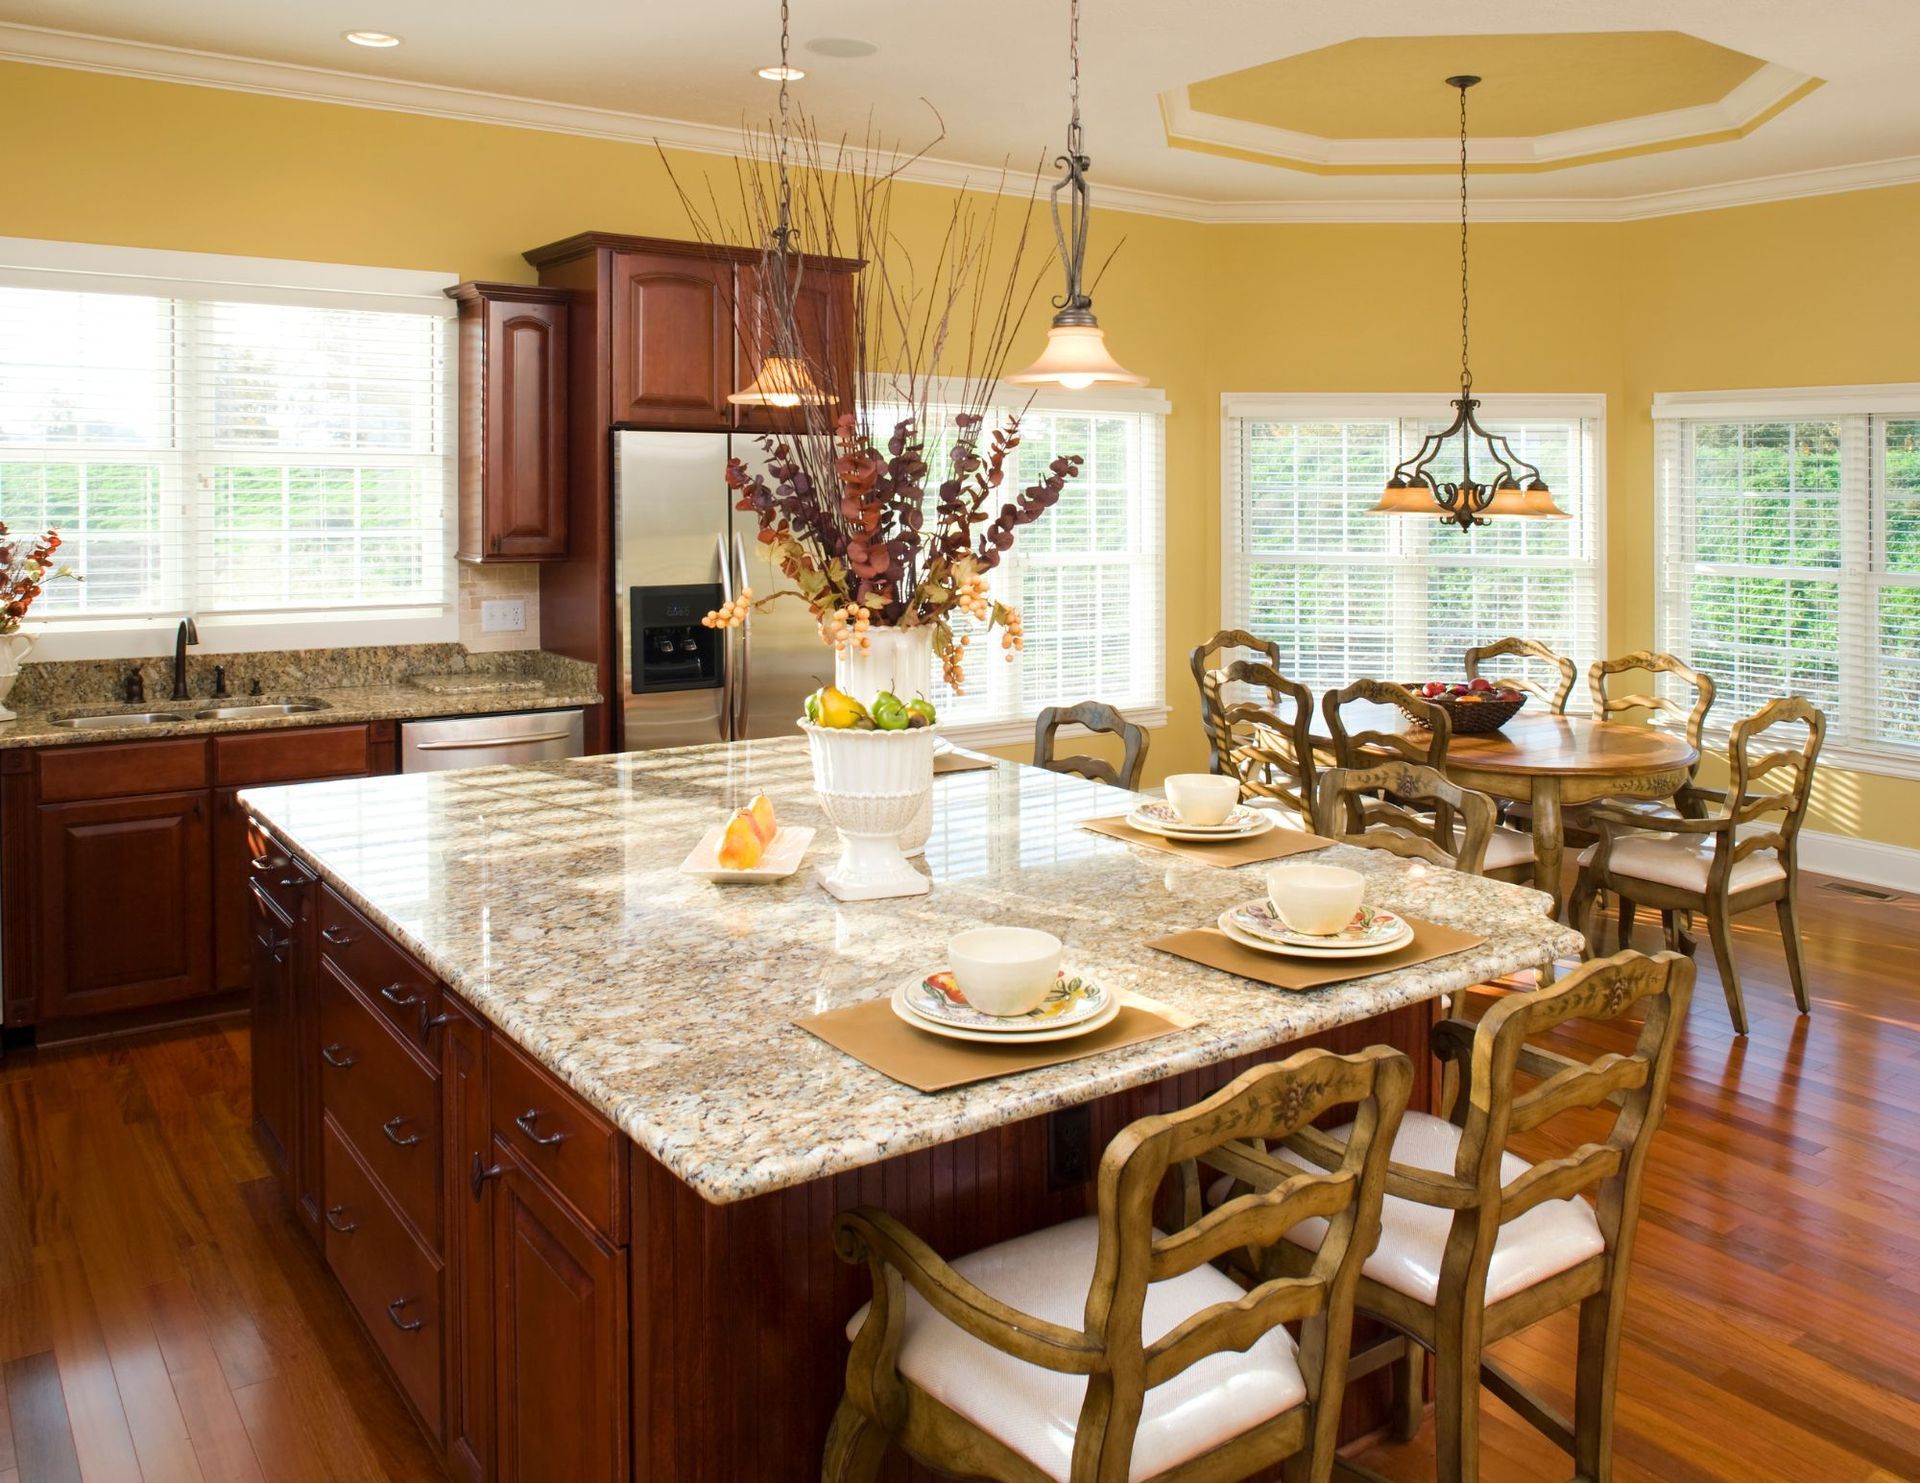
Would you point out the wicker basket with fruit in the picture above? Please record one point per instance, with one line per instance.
(1474, 706)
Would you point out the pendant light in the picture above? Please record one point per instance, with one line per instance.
(781, 380)
(1076, 356)
(1517, 488)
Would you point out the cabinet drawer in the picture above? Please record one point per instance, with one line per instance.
(275, 874)
(398, 987)
(574, 1149)
(121, 769)
(308, 754)
(384, 1100)
(391, 1280)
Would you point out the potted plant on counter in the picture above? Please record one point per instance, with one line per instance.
(24, 569)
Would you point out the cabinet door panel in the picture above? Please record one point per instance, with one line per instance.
(270, 940)
(469, 1243)
(526, 485)
(672, 340)
(823, 320)
(125, 891)
(560, 1297)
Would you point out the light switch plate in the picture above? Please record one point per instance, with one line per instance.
(503, 615)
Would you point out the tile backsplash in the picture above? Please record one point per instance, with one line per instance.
(480, 584)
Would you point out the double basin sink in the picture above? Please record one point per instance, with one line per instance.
(243, 711)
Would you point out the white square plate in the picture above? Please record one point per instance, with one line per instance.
(781, 859)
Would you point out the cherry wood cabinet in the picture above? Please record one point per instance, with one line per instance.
(823, 318)
(513, 422)
(672, 342)
(469, 1227)
(270, 941)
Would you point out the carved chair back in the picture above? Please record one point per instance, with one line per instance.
(1268, 1102)
(1272, 756)
(1554, 693)
(1362, 748)
(1095, 717)
(1204, 672)
(1368, 806)
(1773, 782)
(1692, 717)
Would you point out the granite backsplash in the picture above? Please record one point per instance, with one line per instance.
(60, 684)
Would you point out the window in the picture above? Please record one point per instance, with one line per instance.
(1347, 594)
(256, 455)
(1087, 576)
(1789, 556)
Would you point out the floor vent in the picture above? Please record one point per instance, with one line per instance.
(1865, 893)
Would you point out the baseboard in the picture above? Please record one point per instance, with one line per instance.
(1864, 860)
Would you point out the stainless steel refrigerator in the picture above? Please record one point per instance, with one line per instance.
(680, 550)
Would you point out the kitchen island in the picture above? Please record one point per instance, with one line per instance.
(631, 1274)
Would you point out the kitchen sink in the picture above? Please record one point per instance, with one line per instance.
(123, 718)
(259, 709)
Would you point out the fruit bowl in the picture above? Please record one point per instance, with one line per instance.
(1476, 712)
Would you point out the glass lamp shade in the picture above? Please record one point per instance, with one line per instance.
(782, 381)
(1531, 504)
(1407, 499)
(1076, 357)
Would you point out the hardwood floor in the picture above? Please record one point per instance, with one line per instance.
(162, 1318)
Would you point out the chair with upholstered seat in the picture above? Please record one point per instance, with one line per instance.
(1379, 808)
(1206, 672)
(1509, 853)
(1094, 716)
(1554, 692)
(1109, 1348)
(1690, 717)
(1272, 755)
(1718, 864)
(1475, 1242)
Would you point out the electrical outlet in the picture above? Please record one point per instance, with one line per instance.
(503, 615)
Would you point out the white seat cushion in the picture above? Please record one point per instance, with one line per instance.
(1509, 847)
(1532, 1247)
(1682, 860)
(1035, 1411)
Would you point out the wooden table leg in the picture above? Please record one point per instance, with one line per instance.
(1547, 837)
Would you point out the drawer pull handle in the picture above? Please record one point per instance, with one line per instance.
(431, 1022)
(337, 1056)
(267, 862)
(277, 946)
(292, 882)
(339, 937)
(391, 993)
(480, 1173)
(393, 1312)
(525, 1121)
(394, 1138)
(335, 1214)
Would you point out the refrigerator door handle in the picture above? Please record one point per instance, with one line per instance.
(746, 644)
(728, 732)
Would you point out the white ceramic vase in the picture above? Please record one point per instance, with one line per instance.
(14, 648)
(900, 660)
(871, 784)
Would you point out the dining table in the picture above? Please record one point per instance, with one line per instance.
(1553, 763)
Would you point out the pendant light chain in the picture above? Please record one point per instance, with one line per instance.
(784, 231)
(1073, 87)
(1466, 371)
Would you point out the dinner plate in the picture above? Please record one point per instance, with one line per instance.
(780, 859)
(989, 1037)
(1370, 927)
(1242, 823)
(1073, 1000)
(1281, 950)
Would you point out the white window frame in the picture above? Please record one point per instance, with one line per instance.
(1496, 407)
(84, 267)
(1862, 528)
(1128, 401)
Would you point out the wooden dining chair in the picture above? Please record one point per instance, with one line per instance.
(1692, 718)
(1554, 693)
(1377, 808)
(1719, 864)
(1205, 672)
(1272, 757)
(1094, 717)
(1475, 1242)
(1102, 1349)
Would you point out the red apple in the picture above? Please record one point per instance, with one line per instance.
(1481, 683)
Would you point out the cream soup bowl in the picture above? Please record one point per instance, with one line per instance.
(1316, 899)
(1004, 971)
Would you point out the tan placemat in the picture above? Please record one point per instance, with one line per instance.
(872, 1033)
(1211, 946)
(1276, 844)
(946, 762)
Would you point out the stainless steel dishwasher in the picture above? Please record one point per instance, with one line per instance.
(490, 741)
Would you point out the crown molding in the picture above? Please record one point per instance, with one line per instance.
(155, 63)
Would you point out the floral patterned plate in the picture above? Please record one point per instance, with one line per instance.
(1164, 819)
(1287, 950)
(997, 1037)
(1072, 1001)
(1370, 927)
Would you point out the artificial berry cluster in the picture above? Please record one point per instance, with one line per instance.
(730, 614)
(848, 628)
(1013, 638)
(953, 664)
(971, 597)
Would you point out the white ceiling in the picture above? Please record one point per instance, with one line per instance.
(995, 70)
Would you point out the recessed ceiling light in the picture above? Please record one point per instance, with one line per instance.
(841, 46)
(371, 38)
(782, 74)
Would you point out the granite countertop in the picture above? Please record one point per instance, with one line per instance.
(406, 701)
(550, 898)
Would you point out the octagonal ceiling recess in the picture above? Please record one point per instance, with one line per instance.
(1379, 105)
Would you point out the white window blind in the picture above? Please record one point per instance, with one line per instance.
(1789, 557)
(1347, 594)
(257, 463)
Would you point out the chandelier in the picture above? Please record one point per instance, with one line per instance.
(1076, 356)
(1516, 488)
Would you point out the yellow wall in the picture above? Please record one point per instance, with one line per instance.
(1797, 293)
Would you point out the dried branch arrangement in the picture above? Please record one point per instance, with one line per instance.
(886, 503)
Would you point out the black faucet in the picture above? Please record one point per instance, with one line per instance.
(184, 635)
